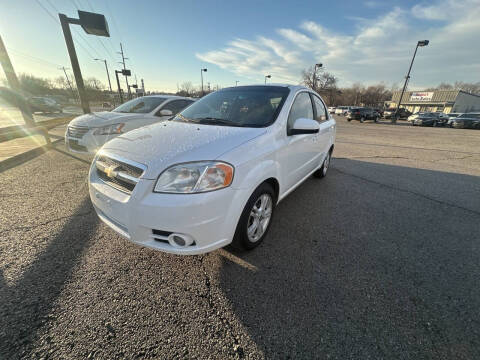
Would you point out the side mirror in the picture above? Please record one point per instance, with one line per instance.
(166, 112)
(304, 126)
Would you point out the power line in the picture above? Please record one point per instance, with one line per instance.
(108, 52)
(58, 22)
(113, 19)
(34, 57)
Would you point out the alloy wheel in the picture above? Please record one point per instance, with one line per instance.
(259, 218)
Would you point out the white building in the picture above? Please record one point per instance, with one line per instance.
(447, 101)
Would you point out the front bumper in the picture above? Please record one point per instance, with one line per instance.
(209, 218)
(87, 144)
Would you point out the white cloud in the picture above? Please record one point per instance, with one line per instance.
(378, 50)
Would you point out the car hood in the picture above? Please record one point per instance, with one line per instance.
(103, 118)
(161, 145)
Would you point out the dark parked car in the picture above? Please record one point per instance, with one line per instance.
(45, 105)
(467, 121)
(363, 114)
(430, 119)
(401, 114)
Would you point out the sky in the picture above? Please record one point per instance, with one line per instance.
(168, 42)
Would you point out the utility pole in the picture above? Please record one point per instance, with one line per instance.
(124, 68)
(108, 74)
(14, 83)
(143, 86)
(68, 81)
(64, 21)
(236, 82)
(118, 84)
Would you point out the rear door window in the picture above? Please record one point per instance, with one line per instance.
(320, 109)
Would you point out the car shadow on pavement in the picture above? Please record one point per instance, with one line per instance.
(25, 306)
(354, 268)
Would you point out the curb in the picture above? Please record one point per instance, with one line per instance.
(46, 123)
(26, 156)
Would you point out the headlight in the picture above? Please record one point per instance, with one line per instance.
(109, 130)
(195, 177)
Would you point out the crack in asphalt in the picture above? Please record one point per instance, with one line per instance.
(403, 157)
(407, 147)
(475, 212)
(211, 303)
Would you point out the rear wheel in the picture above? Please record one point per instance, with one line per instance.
(322, 172)
(256, 217)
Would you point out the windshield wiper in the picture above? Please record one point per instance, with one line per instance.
(216, 121)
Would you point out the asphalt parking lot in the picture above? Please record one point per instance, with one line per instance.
(379, 260)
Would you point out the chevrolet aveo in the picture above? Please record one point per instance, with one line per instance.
(213, 174)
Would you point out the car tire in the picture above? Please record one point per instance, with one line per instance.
(434, 123)
(362, 119)
(322, 172)
(376, 119)
(349, 120)
(247, 236)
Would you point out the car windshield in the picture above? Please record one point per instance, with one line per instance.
(469, 116)
(140, 105)
(249, 106)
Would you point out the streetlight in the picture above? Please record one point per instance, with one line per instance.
(201, 75)
(92, 23)
(267, 76)
(108, 75)
(236, 82)
(319, 65)
(407, 78)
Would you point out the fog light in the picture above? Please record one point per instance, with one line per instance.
(180, 240)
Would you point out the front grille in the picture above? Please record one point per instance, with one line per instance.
(129, 169)
(73, 144)
(116, 183)
(77, 131)
(119, 174)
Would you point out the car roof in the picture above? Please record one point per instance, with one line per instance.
(168, 97)
(290, 86)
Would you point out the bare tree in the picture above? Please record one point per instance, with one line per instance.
(186, 89)
(318, 81)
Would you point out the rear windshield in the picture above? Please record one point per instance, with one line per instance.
(246, 106)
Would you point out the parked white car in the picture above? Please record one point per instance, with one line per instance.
(342, 110)
(87, 133)
(331, 109)
(215, 173)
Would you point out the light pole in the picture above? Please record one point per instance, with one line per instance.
(319, 65)
(267, 77)
(201, 76)
(236, 82)
(108, 75)
(407, 78)
(94, 24)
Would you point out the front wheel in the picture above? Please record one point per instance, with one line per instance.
(322, 172)
(256, 217)
(376, 119)
(362, 119)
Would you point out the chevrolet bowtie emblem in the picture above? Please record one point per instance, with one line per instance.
(111, 171)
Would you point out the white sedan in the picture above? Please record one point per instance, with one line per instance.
(214, 174)
(87, 133)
